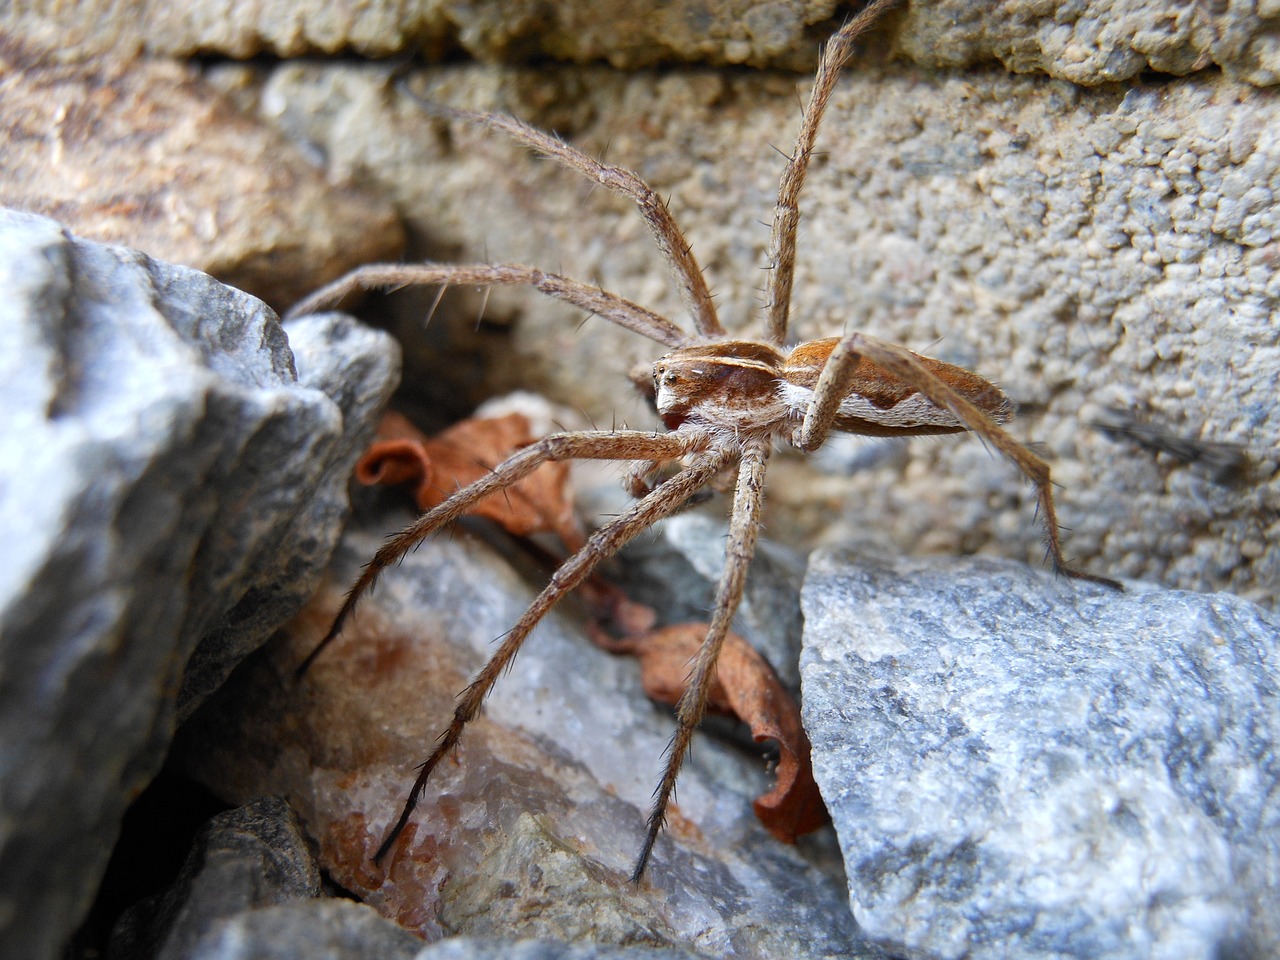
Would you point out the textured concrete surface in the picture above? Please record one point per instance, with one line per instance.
(1088, 249)
(1089, 42)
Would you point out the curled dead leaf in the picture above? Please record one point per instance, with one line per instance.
(437, 466)
(745, 687)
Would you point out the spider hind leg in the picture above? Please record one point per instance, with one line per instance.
(744, 527)
(662, 501)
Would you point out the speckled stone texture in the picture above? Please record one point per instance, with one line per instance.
(1098, 41)
(1090, 42)
(627, 35)
(1019, 766)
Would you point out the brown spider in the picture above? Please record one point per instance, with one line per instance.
(726, 402)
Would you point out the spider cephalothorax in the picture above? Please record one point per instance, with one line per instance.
(725, 401)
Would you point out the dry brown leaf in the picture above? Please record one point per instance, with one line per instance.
(746, 687)
(439, 466)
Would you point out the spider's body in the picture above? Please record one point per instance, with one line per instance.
(724, 401)
(752, 388)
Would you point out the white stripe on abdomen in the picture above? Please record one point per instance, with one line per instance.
(916, 410)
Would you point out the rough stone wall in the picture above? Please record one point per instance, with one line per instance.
(1089, 42)
(1090, 249)
(1097, 235)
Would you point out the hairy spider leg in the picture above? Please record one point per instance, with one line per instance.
(668, 497)
(602, 445)
(900, 362)
(744, 527)
(675, 249)
(377, 276)
(786, 214)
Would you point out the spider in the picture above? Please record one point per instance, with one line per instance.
(724, 401)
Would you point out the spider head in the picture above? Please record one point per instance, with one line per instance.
(723, 384)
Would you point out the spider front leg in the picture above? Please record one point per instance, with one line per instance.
(612, 307)
(675, 249)
(664, 500)
(975, 405)
(744, 526)
(786, 213)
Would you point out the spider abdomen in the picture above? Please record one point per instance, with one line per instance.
(877, 403)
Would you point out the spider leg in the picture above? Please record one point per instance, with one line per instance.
(583, 445)
(906, 366)
(606, 541)
(786, 214)
(639, 479)
(827, 393)
(612, 307)
(671, 242)
(743, 529)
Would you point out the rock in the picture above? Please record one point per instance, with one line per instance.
(357, 369)
(533, 832)
(1097, 41)
(1023, 766)
(466, 948)
(249, 892)
(1086, 249)
(342, 930)
(627, 35)
(168, 484)
(245, 859)
(329, 929)
(145, 153)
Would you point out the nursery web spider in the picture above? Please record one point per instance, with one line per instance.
(724, 401)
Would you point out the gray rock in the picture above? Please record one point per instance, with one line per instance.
(164, 477)
(467, 948)
(315, 929)
(356, 368)
(342, 930)
(1023, 766)
(244, 859)
(533, 831)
